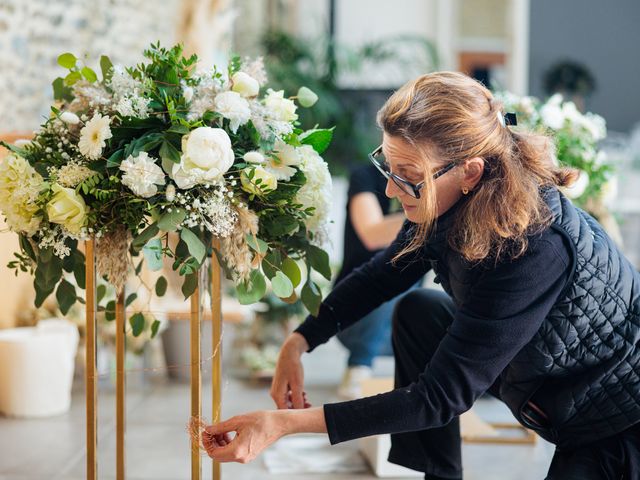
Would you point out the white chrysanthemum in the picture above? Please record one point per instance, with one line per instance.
(232, 106)
(316, 192)
(279, 107)
(285, 158)
(142, 175)
(20, 185)
(93, 136)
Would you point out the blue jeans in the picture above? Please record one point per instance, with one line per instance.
(371, 335)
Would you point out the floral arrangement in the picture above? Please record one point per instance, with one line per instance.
(576, 137)
(164, 147)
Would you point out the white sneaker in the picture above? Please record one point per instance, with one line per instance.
(351, 386)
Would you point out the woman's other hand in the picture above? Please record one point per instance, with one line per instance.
(287, 388)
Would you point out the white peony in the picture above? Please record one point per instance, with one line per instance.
(206, 156)
(93, 136)
(244, 84)
(253, 157)
(233, 107)
(261, 182)
(316, 192)
(142, 175)
(284, 158)
(279, 107)
(20, 186)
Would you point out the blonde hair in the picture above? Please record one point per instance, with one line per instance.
(457, 118)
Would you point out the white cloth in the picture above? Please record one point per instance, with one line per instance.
(312, 454)
(36, 368)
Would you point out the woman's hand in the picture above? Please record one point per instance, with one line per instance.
(287, 388)
(256, 431)
(253, 433)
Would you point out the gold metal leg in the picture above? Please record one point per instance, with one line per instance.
(120, 385)
(90, 361)
(216, 328)
(196, 400)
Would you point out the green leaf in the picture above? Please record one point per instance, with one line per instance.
(291, 270)
(169, 152)
(89, 74)
(80, 273)
(27, 247)
(41, 293)
(319, 261)
(319, 139)
(161, 286)
(110, 311)
(253, 290)
(311, 297)
(48, 271)
(67, 60)
(155, 326)
(153, 254)
(271, 263)
(196, 248)
(257, 244)
(170, 221)
(115, 159)
(66, 296)
(137, 323)
(101, 291)
(72, 78)
(130, 299)
(179, 129)
(281, 285)
(106, 67)
(143, 237)
(60, 90)
(190, 284)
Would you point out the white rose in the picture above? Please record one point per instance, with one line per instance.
(260, 183)
(579, 187)
(206, 156)
(232, 106)
(67, 208)
(280, 108)
(70, 118)
(253, 157)
(307, 97)
(244, 84)
(142, 175)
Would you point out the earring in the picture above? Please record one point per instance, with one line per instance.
(465, 190)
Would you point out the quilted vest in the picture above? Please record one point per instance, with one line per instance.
(582, 367)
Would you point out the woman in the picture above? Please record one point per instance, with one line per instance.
(369, 227)
(541, 310)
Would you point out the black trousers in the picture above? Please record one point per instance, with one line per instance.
(420, 321)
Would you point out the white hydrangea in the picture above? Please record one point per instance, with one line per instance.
(142, 175)
(317, 191)
(20, 185)
(233, 106)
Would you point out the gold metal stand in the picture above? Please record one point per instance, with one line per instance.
(196, 400)
(91, 391)
(120, 384)
(216, 362)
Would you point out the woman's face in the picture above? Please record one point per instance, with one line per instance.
(408, 162)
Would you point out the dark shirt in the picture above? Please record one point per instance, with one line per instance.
(363, 179)
(500, 314)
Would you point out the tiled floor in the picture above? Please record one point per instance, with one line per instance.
(157, 443)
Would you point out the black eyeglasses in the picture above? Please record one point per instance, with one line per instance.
(377, 158)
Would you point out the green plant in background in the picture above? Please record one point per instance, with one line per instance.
(577, 136)
(292, 61)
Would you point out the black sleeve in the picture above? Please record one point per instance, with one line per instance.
(363, 180)
(372, 284)
(502, 313)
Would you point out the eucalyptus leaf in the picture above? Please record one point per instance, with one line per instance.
(170, 220)
(161, 286)
(137, 323)
(196, 248)
(190, 284)
(130, 299)
(311, 297)
(291, 270)
(101, 291)
(253, 290)
(281, 285)
(257, 244)
(155, 326)
(319, 261)
(143, 237)
(110, 311)
(153, 254)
